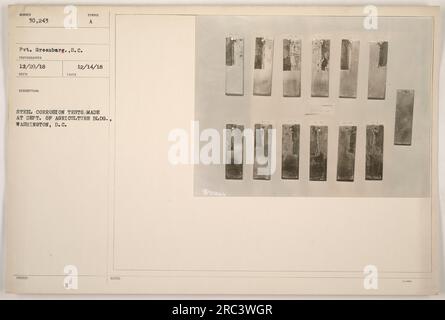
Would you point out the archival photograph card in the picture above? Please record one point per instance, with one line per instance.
(222, 150)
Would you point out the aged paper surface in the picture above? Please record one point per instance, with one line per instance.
(340, 196)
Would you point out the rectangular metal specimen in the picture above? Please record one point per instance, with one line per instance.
(262, 73)
(234, 151)
(320, 68)
(234, 66)
(262, 152)
(318, 153)
(290, 155)
(347, 136)
(291, 68)
(349, 68)
(374, 152)
(378, 58)
(404, 117)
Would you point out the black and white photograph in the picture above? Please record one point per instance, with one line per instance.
(222, 152)
(339, 99)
